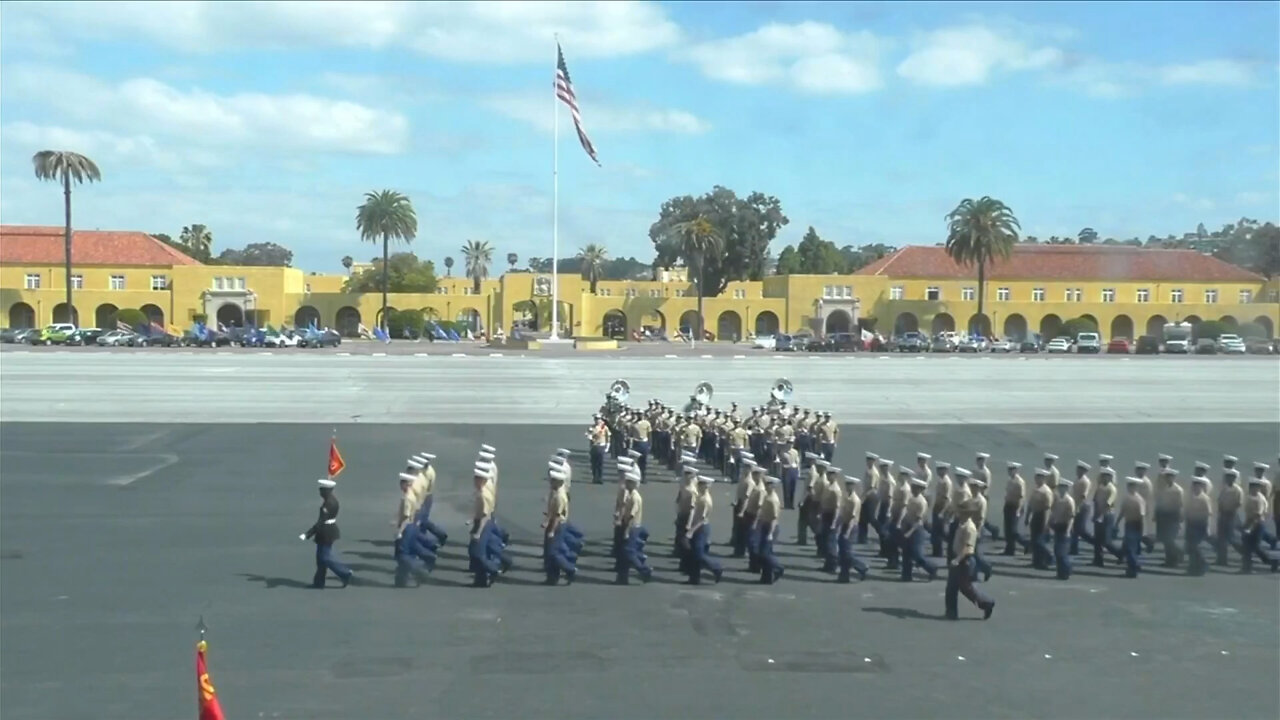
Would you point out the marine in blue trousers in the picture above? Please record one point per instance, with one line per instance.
(766, 530)
(1133, 510)
(960, 574)
(325, 533)
(630, 516)
(912, 535)
(700, 535)
(560, 540)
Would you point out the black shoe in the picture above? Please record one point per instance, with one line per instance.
(346, 580)
(843, 578)
(551, 581)
(949, 616)
(990, 608)
(777, 575)
(862, 575)
(718, 574)
(620, 580)
(986, 576)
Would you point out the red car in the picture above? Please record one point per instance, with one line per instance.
(1119, 345)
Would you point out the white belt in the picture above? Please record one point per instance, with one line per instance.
(331, 521)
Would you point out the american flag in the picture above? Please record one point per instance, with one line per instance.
(564, 91)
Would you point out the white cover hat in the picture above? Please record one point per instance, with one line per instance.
(408, 478)
(415, 464)
(488, 448)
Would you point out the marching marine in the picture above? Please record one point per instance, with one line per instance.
(325, 533)
(1199, 510)
(634, 535)
(766, 531)
(1061, 515)
(1015, 492)
(850, 511)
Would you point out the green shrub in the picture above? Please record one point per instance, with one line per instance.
(1075, 326)
(400, 320)
(129, 316)
(1210, 329)
(1252, 330)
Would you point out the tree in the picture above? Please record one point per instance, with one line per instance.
(593, 258)
(405, 274)
(448, 266)
(813, 256)
(1088, 236)
(1075, 326)
(856, 259)
(65, 166)
(386, 215)
(347, 262)
(978, 232)
(696, 241)
(1252, 330)
(512, 259)
(477, 254)
(263, 254)
(745, 227)
(1211, 329)
(535, 264)
(129, 316)
(197, 241)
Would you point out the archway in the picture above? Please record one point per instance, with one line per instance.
(689, 321)
(1262, 320)
(1194, 320)
(980, 325)
(767, 323)
(1230, 321)
(61, 315)
(430, 313)
(1091, 319)
(105, 316)
(154, 314)
(22, 316)
(1122, 327)
(614, 325)
(379, 320)
(230, 315)
(729, 326)
(1015, 327)
(306, 316)
(470, 317)
(347, 321)
(1155, 325)
(838, 321)
(906, 322)
(1050, 326)
(654, 320)
(943, 322)
(525, 315)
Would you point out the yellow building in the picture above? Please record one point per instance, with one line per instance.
(1128, 291)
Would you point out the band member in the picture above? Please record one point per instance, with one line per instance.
(325, 533)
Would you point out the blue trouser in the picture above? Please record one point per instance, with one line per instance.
(848, 560)
(1103, 528)
(1250, 545)
(411, 544)
(753, 544)
(937, 532)
(1081, 526)
(1132, 546)
(790, 478)
(597, 464)
(995, 531)
(484, 562)
(981, 566)
(556, 557)
(642, 462)
(868, 516)
(827, 541)
(735, 470)
(913, 553)
(1061, 550)
(1040, 554)
(960, 582)
(325, 562)
(1197, 533)
(882, 527)
(770, 568)
(737, 535)
(632, 556)
(893, 546)
(700, 547)
(1011, 535)
(951, 535)
(1167, 523)
(423, 521)
(1227, 525)
(828, 451)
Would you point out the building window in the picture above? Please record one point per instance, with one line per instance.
(828, 292)
(219, 284)
(1273, 296)
(654, 292)
(306, 287)
(933, 293)
(968, 293)
(442, 290)
(1037, 294)
(240, 283)
(631, 292)
(1002, 294)
(680, 293)
(117, 282)
(1175, 295)
(1072, 295)
(159, 282)
(848, 291)
(604, 292)
(1246, 296)
(1210, 297)
(739, 294)
(33, 281)
(895, 292)
(77, 282)
(1143, 295)
(1108, 295)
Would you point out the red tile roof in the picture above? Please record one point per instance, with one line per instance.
(41, 245)
(1066, 262)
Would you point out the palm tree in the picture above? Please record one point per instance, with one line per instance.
(448, 267)
(198, 241)
(64, 166)
(593, 257)
(512, 259)
(386, 215)
(978, 232)
(477, 254)
(347, 262)
(696, 239)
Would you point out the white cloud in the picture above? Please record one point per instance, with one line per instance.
(1193, 202)
(812, 57)
(536, 110)
(109, 149)
(970, 55)
(1114, 80)
(1208, 72)
(1251, 197)
(483, 32)
(247, 120)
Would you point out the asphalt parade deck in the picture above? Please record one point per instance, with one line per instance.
(117, 538)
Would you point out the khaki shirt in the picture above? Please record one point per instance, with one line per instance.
(914, 511)
(965, 542)
(1015, 491)
(850, 504)
(829, 431)
(898, 503)
(738, 438)
(1133, 508)
(599, 435)
(418, 490)
(754, 497)
(745, 488)
(1230, 498)
(1063, 510)
(961, 497)
(770, 509)
(1170, 498)
(404, 511)
(692, 435)
(1255, 506)
(633, 510)
(1266, 488)
(942, 494)
(1080, 490)
(1054, 476)
(1041, 499)
(1104, 499)
(980, 515)
(871, 482)
(789, 459)
(811, 487)
(557, 506)
(701, 508)
(640, 430)
(983, 473)
(484, 502)
(925, 474)
(832, 495)
(1198, 507)
(620, 497)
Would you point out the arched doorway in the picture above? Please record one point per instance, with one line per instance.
(61, 314)
(1262, 320)
(1091, 319)
(1230, 321)
(430, 313)
(154, 314)
(306, 316)
(1015, 327)
(980, 325)
(1155, 325)
(105, 316)
(654, 321)
(1194, 320)
(21, 316)
(379, 321)
(767, 323)
(469, 317)
(525, 314)
(230, 315)
(1050, 326)
(689, 321)
(906, 322)
(729, 326)
(943, 322)
(614, 325)
(838, 321)
(1122, 327)
(347, 321)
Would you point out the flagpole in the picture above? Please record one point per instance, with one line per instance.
(555, 199)
(332, 441)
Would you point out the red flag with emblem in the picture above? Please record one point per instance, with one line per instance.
(209, 707)
(336, 464)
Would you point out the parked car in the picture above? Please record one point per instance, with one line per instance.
(1257, 346)
(55, 334)
(1206, 346)
(912, 342)
(1231, 344)
(84, 336)
(1088, 342)
(28, 336)
(154, 340)
(1059, 345)
(1002, 346)
(941, 344)
(286, 339)
(1148, 345)
(1029, 346)
(1118, 346)
(836, 342)
(325, 338)
(764, 342)
(114, 338)
(10, 335)
(792, 343)
(1177, 346)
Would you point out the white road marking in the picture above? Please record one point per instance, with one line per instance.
(706, 357)
(422, 354)
(379, 354)
(123, 481)
(495, 354)
(344, 354)
(670, 356)
(735, 357)
(458, 355)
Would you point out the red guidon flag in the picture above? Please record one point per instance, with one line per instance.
(336, 464)
(209, 707)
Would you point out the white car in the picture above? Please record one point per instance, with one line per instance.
(115, 338)
(1004, 346)
(1059, 345)
(280, 340)
(1231, 344)
(765, 342)
(1088, 342)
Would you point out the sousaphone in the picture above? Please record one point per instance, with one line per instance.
(782, 390)
(620, 390)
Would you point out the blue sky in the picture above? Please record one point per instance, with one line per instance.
(869, 121)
